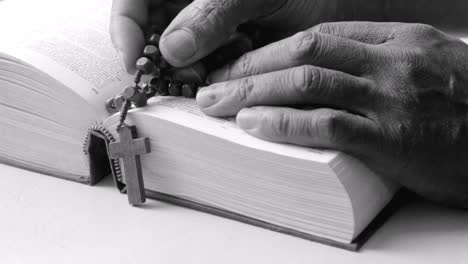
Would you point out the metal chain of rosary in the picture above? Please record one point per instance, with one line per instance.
(161, 83)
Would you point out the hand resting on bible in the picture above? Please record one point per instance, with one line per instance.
(393, 95)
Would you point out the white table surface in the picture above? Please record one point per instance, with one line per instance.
(49, 220)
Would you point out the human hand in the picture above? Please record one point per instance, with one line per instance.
(205, 25)
(393, 95)
(132, 18)
(129, 20)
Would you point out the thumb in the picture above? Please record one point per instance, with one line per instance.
(205, 25)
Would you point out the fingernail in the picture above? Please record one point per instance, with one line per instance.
(247, 119)
(180, 44)
(207, 97)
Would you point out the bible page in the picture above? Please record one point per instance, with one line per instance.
(185, 112)
(69, 41)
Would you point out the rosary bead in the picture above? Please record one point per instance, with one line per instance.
(151, 52)
(118, 102)
(189, 90)
(129, 92)
(145, 65)
(140, 100)
(154, 39)
(175, 88)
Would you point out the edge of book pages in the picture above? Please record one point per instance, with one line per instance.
(400, 198)
(49, 172)
(98, 170)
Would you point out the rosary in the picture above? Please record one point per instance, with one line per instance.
(163, 82)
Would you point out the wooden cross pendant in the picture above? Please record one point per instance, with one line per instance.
(128, 150)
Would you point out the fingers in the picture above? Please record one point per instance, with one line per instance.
(128, 19)
(305, 48)
(305, 85)
(319, 128)
(367, 32)
(205, 25)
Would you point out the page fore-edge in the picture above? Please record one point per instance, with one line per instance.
(101, 166)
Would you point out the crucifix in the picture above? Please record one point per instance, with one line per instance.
(128, 150)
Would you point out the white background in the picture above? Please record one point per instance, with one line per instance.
(49, 220)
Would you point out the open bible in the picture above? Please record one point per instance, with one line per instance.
(56, 72)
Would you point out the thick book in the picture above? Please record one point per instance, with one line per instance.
(57, 69)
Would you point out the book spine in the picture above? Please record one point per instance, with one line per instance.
(96, 147)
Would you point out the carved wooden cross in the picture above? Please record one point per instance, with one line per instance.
(128, 150)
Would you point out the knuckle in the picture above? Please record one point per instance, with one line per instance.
(246, 65)
(327, 124)
(216, 9)
(421, 31)
(279, 123)
(330, 125)
(325, 28)
(367, 89)
(306, 44)
(307, 79)
(244, 90)
(424, 29)
(207, 14)
(414, 62)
